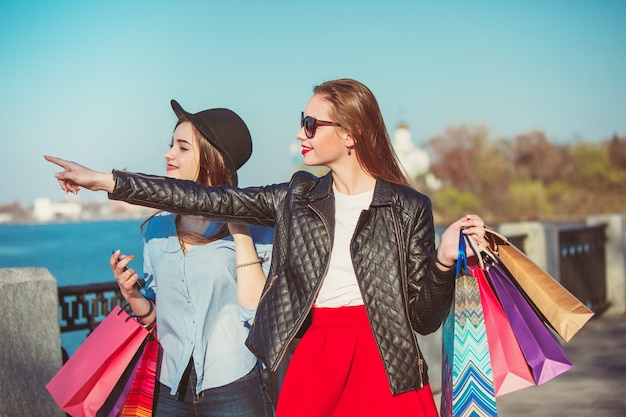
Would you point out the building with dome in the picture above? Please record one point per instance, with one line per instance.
(415, 161)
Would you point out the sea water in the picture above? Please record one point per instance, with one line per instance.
(75, 253)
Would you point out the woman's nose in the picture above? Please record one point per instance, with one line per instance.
(300, 135)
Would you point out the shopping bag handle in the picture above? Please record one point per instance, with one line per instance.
(489, 229)
(150, 326)
(474, 248)
(494, 240)
(462, 256)
(132, 315)
(123, 309)
(496, 234)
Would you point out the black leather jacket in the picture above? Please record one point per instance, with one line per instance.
(393, 255)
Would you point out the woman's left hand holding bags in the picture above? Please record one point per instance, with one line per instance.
(448, 252)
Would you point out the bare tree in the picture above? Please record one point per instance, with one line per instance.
(617, 152)
(538, 159)
(455, 155)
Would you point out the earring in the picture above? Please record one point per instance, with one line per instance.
(349, 150)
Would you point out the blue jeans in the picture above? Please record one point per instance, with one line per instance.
(245, 397)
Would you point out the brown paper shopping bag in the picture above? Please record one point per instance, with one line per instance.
(563, 312)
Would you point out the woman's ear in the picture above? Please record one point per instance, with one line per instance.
(349, 141)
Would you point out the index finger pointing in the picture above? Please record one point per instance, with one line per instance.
(58, 161)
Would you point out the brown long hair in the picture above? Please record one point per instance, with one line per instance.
(212, 170)
(355, 108)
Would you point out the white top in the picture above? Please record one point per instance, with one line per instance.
(340, 287)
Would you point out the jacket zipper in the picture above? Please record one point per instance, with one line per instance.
(310, 305)
(420, 361)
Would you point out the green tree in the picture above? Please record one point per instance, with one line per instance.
(450, 204)
(527, 200)
(591, 165)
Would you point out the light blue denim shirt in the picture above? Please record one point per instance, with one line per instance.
(198, 314)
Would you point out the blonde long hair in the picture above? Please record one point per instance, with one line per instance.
(355, 108)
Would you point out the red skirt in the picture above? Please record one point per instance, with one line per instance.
(336, 371)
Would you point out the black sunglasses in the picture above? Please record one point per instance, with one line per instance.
(310, 124)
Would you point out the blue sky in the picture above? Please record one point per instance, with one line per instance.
(92, 80)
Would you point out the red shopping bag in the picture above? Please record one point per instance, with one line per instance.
(85, 381)
(510, 370)
(140, 399)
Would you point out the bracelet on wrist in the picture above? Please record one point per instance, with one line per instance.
(143, 316)
(258, 261)
(444, 265)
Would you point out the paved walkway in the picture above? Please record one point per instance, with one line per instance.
(594, 387)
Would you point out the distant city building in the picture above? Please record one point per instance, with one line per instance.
(415, 161)
(45, 209)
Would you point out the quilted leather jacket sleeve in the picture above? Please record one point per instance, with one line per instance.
(254, 205)
(430, 291)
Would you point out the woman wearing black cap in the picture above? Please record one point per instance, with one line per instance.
(194, 271)
(354, 251)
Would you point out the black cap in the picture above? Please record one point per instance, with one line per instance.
(225, 130)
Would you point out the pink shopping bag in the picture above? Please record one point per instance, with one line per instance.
(510, 370)
(84, 382)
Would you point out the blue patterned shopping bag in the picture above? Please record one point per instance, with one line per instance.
(467, 377)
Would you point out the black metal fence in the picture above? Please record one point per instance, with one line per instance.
(583, 264)
(83, 307)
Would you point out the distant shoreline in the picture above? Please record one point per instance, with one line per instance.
(70, 221)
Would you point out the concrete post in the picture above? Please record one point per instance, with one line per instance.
(541, 244)
(615, 254)
(30, 342)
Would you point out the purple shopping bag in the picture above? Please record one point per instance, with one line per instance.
(541, 349)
